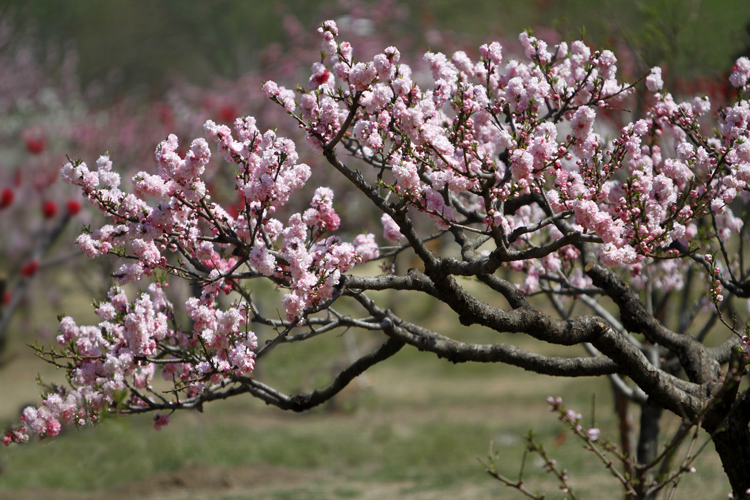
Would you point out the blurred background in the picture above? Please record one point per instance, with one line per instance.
(79, 78)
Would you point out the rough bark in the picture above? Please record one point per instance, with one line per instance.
(648, 445)
(731, 437)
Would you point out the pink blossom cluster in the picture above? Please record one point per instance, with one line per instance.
(482, 134)
(269, 173)
(405, 124)
(741, 73)
(134, 340)
(171, 212)
(314, 271)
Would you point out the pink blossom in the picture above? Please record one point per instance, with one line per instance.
(192, 166)
(740, 73)
(151, 185)
(534, 47)
(701, 105)
(89, 246)
(345, 51)
(717, 206)
(160, 421)
(593, 433)
(728, 223)
(654, 82)
(531, 283)
(68, 330)
(321, 213)
(435, 204)
(286, 97)
(108, 178)
(147, 252)
(365, 246)
(612, 255)
(241, 357)
(407, 176)
(378, 98)
(521, 164)
(262, 261)
(361, 75)
(493, 52)
(582, 122)
(385, 62)
(129, 272)
(441, 67)
(294, 305)
(329, 33)
(320, 76)
(607, 64)
(391, 231)
(166, 156)
(271, 89)
(341, 70)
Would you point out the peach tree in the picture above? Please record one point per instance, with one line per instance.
(499, 179)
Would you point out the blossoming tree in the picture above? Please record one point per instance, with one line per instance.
(507, 165)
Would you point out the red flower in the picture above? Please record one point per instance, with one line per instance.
(36, 146)
(227, 113)
(73, 207)
(30, 268)
(6, 197)
(49, 209)
(6, 298)
(35, 141)
(165, 115)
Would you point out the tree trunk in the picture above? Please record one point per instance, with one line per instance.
(648, 447)
(732, 441)
(627, 431)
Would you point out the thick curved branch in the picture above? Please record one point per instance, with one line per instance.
(600, 311)
(679, 396)
(461, 352)
(414, 280)
(490, 264)
(512, 294)
(698, 362)
(723, 352)
(470, 310)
